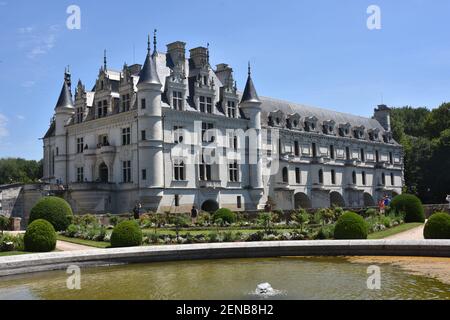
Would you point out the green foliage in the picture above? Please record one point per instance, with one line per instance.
(9, 242)
(301, 218)
(126, 234)
(411, 206)
(53, 209)
(325, 232)
(371, 212)
(226, 215)
(15, 170)
(438, 226)
(265, 220)
(40, 237)
(351, 226)
(4, 224)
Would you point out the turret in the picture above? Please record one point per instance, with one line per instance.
(383, 115)
(251, 106)
(150, 120)
(64, 110)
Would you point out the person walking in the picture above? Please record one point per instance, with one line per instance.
(382, 206)
(194, 214)
(137, 211)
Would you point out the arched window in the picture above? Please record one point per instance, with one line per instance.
(285, 175)
(321, 176)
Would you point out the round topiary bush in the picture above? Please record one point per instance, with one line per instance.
(351, 226)
(438, 226)
(126, 234)
(411, 206)
(226, 215)
(40, 237)
(53, 209)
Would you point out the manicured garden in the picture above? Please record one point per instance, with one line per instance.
(52, 215)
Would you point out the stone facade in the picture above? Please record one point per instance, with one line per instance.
(119, 144)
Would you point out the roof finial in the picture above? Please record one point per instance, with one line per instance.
(104, 60)
(148, 45)
(249, 69)
(207, 52)
(154, 41)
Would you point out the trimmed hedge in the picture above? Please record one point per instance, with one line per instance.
(53, 209)
(351, 226)
(126, 234)
(226, 215)
(411, 206)
(438, 226)
(40, 237)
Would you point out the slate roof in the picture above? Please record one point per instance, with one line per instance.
(65, 98)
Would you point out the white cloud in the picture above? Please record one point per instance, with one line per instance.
(3, 126)
(37, 43)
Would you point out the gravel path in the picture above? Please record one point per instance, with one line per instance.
(67, 246)
(413, 234)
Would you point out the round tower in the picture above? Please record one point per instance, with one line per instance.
(64, 110)
(251, 106)
(150, 121)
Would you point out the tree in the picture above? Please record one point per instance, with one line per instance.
(16, 170)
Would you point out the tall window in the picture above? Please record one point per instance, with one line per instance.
(333, 177)
(233, 171)
(143, 104)
(144, 174)
(126, 171)
(239, 202)
(285, 175)
(298, 176)
(363, 155)
(364, 178)
(231, 109)
(205, 171)
(314, 150)
(105, 108)
(332, 152)
(79, 115)
(80, 175)
(347, 153)
(392, 180)
(383, 179)
(126, 136)
(205, 104)
(179, 171)
(233, 142)
(377, 156)
(177, 102)
(178, 134)
(80, 145)
(296, 149)
(320, 176)
(205, 128)
(126, 102)
(143, 135)
(391, 158)
(177, 200)
(354, 177)
(99, 109)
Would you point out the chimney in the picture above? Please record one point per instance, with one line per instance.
(177, 52)
(383, 116)
(199, 56)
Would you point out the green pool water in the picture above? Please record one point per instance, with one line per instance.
(293, 278)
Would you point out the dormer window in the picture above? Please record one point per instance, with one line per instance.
(374, 134)
(231, 109)
(328, 127)
(359, 132)
(79, 115)
(293, 121)
(277, 119)
(205, 104)
(387, 137)
(177, 102)
(126, 102)
(344, 130)
(311, 124)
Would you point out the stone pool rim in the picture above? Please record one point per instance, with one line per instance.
(31, 263)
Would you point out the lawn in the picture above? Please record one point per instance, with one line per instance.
(89, 243)
(393, 231)
(12, 253)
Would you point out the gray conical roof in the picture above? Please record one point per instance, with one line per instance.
(65, 98)
(148, 73)
(250, 94)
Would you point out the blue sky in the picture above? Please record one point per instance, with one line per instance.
(317, 52)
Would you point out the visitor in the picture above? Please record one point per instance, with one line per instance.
(387, 201)
(137, 211)
(194, 214)
(381, 206)
(268, 207)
